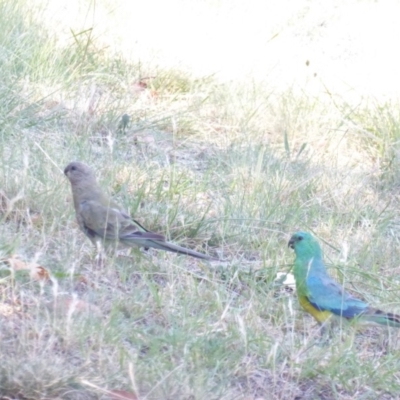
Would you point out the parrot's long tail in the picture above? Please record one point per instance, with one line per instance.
(178, 249)
(157, 241)
(381, 317)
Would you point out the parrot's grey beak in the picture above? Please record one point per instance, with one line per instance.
(291, 243)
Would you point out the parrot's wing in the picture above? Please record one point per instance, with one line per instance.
(138, 225)
(327, 295)
(111, 224)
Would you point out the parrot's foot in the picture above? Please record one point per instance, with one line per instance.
(101, 256)
(325, 334)
(100, 260)
(322, 341)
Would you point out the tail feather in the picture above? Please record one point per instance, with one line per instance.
(381, 317)
(178, 249)
(146, 238)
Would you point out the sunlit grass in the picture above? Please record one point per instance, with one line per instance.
(224, 168)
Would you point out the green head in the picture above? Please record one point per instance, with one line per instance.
(305, 245)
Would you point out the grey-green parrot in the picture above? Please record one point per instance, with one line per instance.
(100, 218)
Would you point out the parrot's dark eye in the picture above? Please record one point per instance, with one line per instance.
(73, 168)
(300, 238)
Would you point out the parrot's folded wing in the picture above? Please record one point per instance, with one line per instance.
(326, 295)
(111, 224)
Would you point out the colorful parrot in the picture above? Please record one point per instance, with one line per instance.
(320, 295)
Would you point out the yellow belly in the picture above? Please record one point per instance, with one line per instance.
(320, 316)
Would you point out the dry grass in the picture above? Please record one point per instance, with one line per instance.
(231, 169)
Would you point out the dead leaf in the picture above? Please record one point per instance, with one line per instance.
(141, 86)
(36, 271)
(112, 394)
(138, 87)
(153, 94)
(287, 279)
(83, 280)
(9, 308)
(6, 310)
(16, 263)
(121, 395)
(36, 219)
(71, 305)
